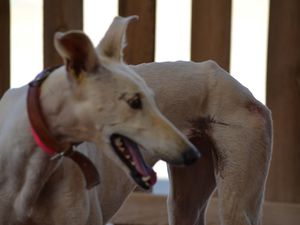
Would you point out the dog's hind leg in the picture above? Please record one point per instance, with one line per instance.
(238, 152)
(245, 146)
(191, 188)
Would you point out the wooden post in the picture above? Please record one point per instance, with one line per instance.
(141, 35)
(59, 16)
(211, 24)
(5, 46)
(283, 98)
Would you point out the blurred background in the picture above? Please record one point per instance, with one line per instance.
(248, 47)
(257, 41)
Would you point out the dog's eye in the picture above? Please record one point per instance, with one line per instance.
(135, 102)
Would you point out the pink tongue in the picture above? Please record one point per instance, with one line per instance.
(143, 169)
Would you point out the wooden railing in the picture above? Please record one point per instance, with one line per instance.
(211, 21)
(4, 46)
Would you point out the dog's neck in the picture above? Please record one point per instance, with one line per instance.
(33, 165)
(60, 110)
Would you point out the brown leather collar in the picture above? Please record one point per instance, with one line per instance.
(47, 141)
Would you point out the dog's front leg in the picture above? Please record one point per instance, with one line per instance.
(37, 171)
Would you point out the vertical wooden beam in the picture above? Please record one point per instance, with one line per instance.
(5, 46)
(59, 16)
(211, 26)
(283, 98)
(141, 35)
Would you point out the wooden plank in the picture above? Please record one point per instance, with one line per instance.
(143, 209)
(211, 25)
(146, 209)
(141, 35)
(283, 98)
(5, 46)
(59, 16)
(276, 213)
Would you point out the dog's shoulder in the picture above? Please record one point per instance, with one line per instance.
(13, 100)
(14, 93)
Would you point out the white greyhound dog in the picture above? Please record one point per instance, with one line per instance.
(231, 129)
(92, 97)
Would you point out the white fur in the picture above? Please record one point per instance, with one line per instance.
(84, 106)
(84, 100)
(185, 91)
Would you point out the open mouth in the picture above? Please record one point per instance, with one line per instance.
(128, 151)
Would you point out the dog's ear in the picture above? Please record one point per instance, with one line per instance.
(114, 40)
(78, 53)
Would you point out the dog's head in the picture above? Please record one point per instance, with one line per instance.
(116, 106)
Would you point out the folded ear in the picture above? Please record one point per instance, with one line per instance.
(113, 42)
(77, 51)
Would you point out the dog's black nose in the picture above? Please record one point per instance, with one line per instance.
(190, 156)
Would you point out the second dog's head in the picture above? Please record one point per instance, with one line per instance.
(114, 104)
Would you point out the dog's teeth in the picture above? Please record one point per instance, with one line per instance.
(119, 142)
(121, 148)
(133, 163)
(127, 156)
(146, 178)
